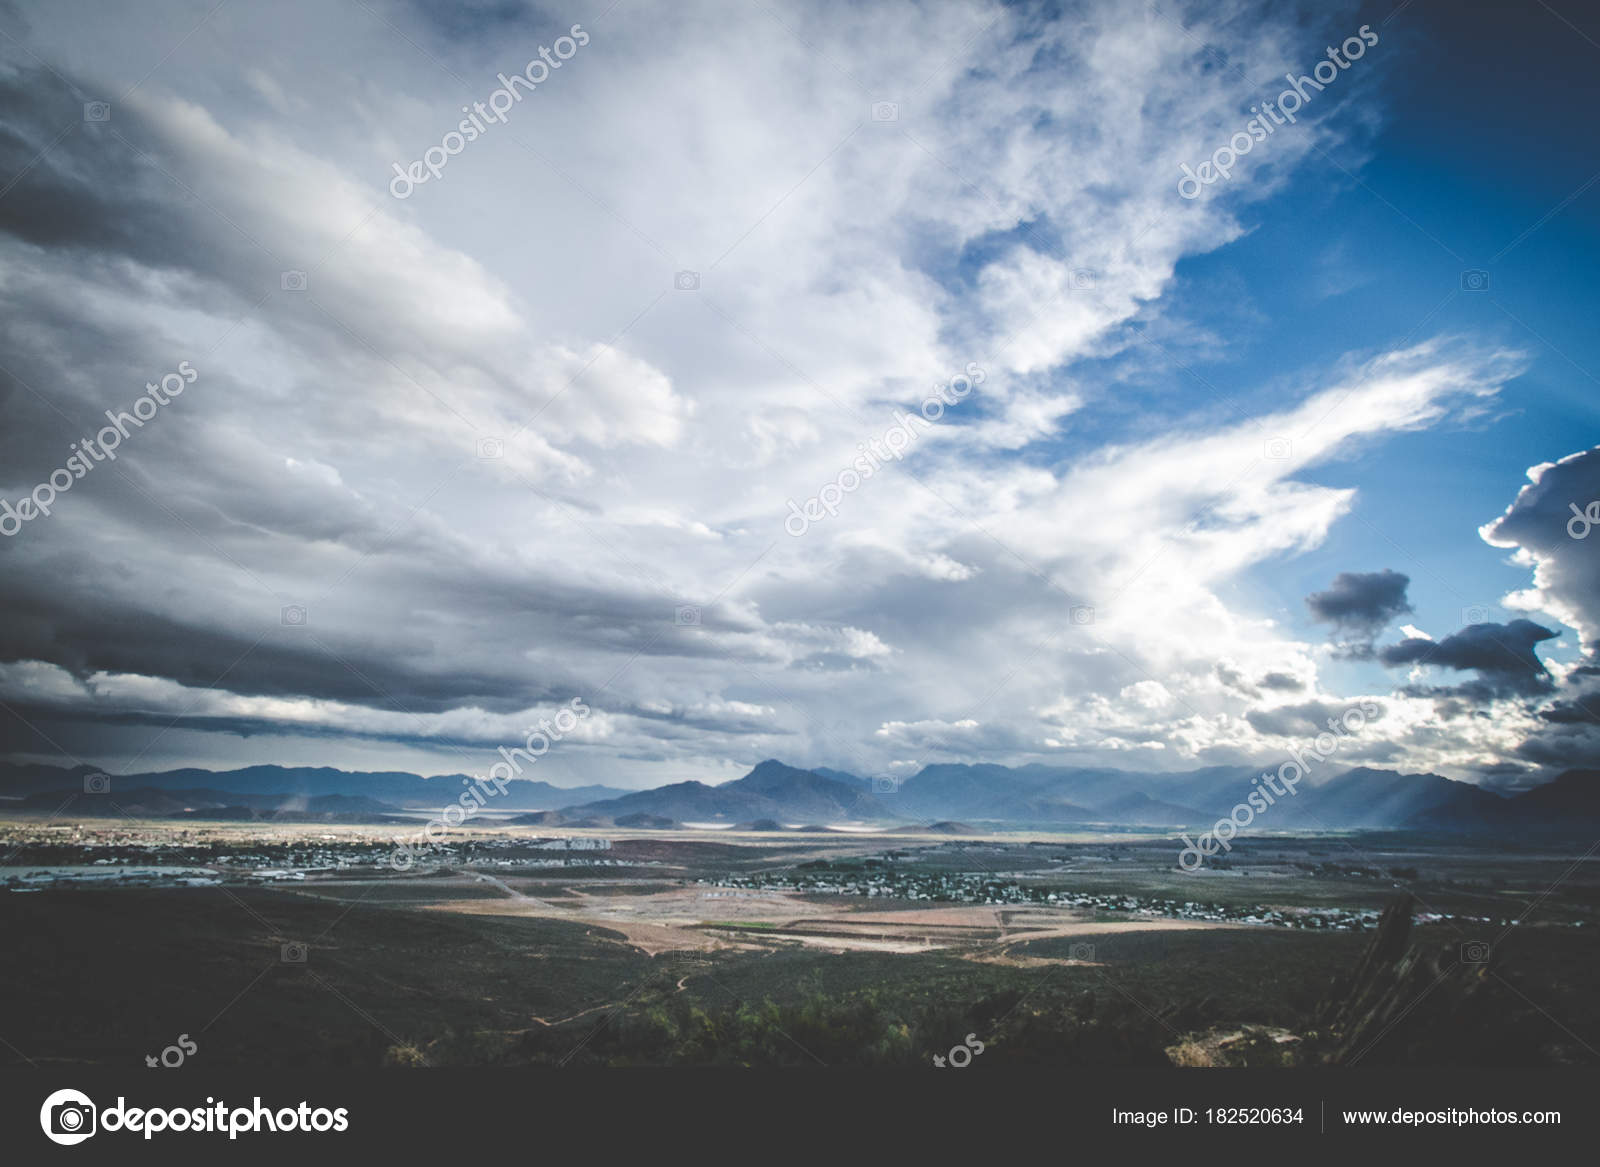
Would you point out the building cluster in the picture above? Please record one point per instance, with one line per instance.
(128, 857)
(984, 888)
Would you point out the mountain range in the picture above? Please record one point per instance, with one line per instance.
(771, 791)
(774, 796)
(396, 790)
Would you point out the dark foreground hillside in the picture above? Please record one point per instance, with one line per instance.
(264, 978)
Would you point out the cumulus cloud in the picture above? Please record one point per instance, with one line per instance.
(1282, 682)
(1501, 654)
(1548, 529)
(1360, 605)
(499, 458)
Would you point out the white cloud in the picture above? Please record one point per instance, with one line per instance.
(1019, 214)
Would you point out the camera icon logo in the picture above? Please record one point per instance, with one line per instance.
(687, 281)
(1081, 952)
(1475, 280)
(293, 281)
(1081, 614)
(97, 111)
(1081, 279)
(97, 783)
(1475, 952)
(293, 616)
(687, 616)
(884, 784)
(490, 449)
(293, 953)
(68, 1117)
(885, 111)
(1476, 614)
(1277, 449)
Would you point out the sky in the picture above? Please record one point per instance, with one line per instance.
(865, 386)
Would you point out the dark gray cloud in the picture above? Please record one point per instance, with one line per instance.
(1359, 605)
(1577, 711)
(1235, 679)
(1501, 654)
(470, 20)
(406, 672)
(1309, 717)
(1563, 747)
(98, 192)
(1509, 778)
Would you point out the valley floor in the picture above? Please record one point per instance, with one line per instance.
(301, 947)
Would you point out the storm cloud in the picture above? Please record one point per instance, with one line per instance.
(1501, 654)
(1359, 605)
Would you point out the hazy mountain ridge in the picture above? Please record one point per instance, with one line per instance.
(1358, 798)
(198, 802)
(1354, 798)
(770, 791)
(396, 788)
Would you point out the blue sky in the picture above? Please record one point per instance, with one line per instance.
(1481, 142)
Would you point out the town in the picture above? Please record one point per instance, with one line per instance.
(973, 888)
